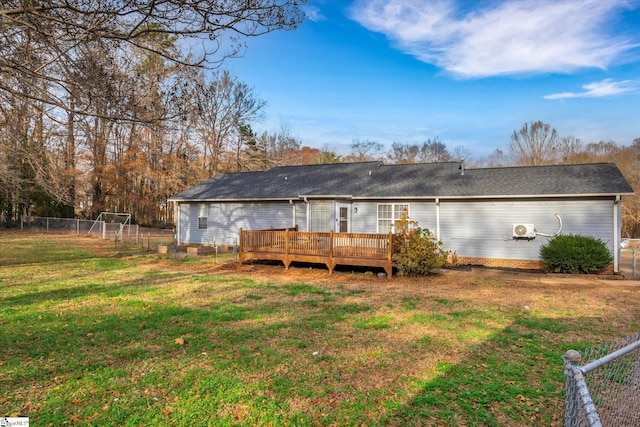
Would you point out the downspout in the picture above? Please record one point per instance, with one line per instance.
(616, 236)
(437, 218)
(293, 205)
(177, 213)
(306, 202)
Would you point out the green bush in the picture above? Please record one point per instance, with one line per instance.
(416, 251)
(575, 254)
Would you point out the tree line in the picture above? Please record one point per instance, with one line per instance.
(535, 144)
(115, 106)
(102, 108)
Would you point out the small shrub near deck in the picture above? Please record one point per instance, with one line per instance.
(416, 251)
(575, 254)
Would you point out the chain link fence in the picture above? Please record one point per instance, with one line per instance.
(602, 385)
(629, 253)
(64, 225)
(107, 230)
(131, 238)
(123, 235)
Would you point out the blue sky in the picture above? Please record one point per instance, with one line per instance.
(467, 72)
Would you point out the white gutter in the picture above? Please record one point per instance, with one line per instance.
(504, 196)
(213, 200)
(431, 197)
(325, 196)
(177, 212)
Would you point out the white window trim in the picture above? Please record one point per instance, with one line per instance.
(203, 213)
(393, 217)
(327, 207)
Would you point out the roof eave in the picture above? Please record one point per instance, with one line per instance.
(430, 197)
(494, 196)
(326, 196)
(203, 200)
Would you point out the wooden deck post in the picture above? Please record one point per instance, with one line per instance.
(330, 264)
(389, 268)
(286, 259)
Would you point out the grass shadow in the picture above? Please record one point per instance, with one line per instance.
(514, 377)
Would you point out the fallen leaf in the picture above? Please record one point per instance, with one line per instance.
(180, 341)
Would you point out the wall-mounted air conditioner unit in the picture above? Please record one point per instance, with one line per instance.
(524, 231)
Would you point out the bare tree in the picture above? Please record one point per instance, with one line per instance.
(433, 151)
(461, 152)
(535, 144)
(35, 37)
(569, 148)
(364, 151)
(497, 159)
(281, 147)
(403, 153)
(222, 105)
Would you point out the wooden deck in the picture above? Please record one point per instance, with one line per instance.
(331, 249)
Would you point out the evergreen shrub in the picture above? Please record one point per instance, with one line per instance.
(575, 254)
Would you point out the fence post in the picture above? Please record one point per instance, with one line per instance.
(237, 249)
(572, 400)
(577, 394)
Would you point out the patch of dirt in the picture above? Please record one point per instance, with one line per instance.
(447, 276)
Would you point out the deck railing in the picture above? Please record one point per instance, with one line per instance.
(329, 248)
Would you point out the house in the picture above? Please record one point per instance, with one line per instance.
(493, 216)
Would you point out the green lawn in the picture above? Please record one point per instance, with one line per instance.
(89, 337)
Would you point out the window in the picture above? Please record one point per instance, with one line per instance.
(202, 217)
(320, 217)
(202, 223)
(389, 214)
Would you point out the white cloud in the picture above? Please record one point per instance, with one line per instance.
(499, 38)
(606, 87)
(314, 14)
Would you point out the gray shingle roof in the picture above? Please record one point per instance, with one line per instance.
(373, 180)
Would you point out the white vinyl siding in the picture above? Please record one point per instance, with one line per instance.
(301, 216)
(224, 220)
(484, 229)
